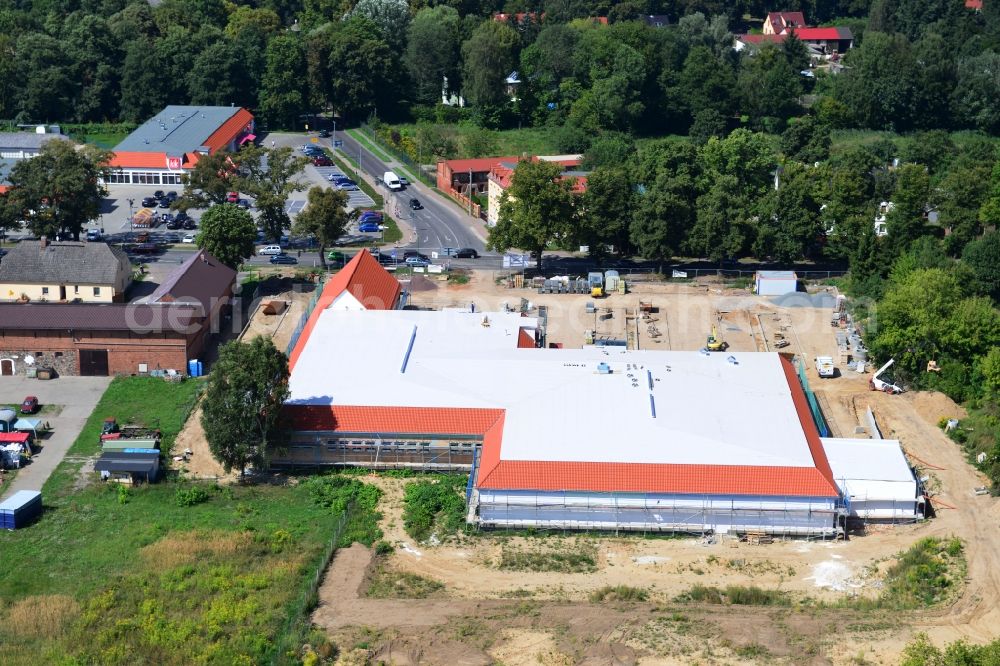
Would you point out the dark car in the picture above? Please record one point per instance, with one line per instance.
(172, 195)
(158, 194)
(244, 203)
(415, 204)
(414, 254)
(369, 227)
(189, 224)
(149, 202)
(165, 202)
(167, 218)
(324, 133)
(466, 253)
(29, 405)
(284, 259)
(322, 160)
(173, 225)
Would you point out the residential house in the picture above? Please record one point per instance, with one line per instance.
(656, 20)
(502, 173)
(822, 42)
(202, 282)
(779, 23)
(39, 271)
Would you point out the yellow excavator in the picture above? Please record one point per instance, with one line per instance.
(714, 342)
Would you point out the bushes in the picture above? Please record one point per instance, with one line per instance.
(737, 595)
(337, 492)
(618, 593)
(434, 507)
(922, 575)
(191, 495)
(573, 562)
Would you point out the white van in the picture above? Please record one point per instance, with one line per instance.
(391, 181)
(270, 250)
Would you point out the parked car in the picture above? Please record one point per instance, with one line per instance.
(164, 202)
(188, 238)
(413, 254)
(403, 181)
(369, 227)
(172, 195)
(417, 261)
(29, 405)
(284, 259)
(158, 194)
(189, 224)
(370, 216)
(232, 197)
(323, 161)
(415, 204)
(324, 133)
(347, 186)
(173, 225)
(244, 203)
(336, 256)
(149, 202)
(92, 235)
(466, 253)
(270, 250)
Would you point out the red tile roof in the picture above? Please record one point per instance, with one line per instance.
(760, 39)
(817, 34)
(974, 4)
(373, 286)
(477, 164)
(525, 340)
(396, 420)
(150, 160)
(781, 20)
(229, 130)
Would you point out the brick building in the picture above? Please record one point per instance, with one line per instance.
(161, 332)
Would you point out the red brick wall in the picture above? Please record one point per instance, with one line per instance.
(125, 353)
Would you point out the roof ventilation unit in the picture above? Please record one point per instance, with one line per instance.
(732, 360)
(603, 369)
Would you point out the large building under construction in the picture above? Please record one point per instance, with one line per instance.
(593, 438)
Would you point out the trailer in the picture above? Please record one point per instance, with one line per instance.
(20, 509)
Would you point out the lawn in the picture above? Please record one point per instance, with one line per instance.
(169, 573)
(104, 140)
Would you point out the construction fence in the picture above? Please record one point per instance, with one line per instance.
(814, 408)
(300, 326)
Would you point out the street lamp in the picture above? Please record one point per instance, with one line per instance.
(131, 204)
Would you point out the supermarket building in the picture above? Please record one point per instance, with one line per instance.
(168, 145)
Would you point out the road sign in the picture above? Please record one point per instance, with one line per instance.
(393, 254)
(338, 144)
(434, 255)
(314, 140)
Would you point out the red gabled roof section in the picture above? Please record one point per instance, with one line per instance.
(760, 39)
(525, 340)
(132, 160)
(397, 420)
(366, 280)
(477, 164)
(817, 34)
(974, 4)
(806, 420)
(229, 130)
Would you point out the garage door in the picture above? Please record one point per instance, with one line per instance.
(6, 367)
(94, 362)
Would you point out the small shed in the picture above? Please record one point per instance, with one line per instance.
(20, 509)
(875, 478)
(128, 466)
(776, 283)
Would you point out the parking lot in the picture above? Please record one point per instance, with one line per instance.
(66, 403)
(355, 198)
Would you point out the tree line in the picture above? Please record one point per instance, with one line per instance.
(919, 64)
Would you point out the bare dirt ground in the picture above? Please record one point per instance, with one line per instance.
(527, 617)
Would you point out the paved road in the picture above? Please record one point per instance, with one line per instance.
(440, 224)
(77, 395)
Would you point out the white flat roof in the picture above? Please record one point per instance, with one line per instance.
(559, 408)
(870, 468)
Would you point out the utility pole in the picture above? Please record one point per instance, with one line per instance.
(470, 191)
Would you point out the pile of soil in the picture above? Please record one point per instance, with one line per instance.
(932, 406)
(420, 283)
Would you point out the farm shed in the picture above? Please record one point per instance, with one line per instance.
(20, 509)
(875, 478)
(129, 466)
(775, 283)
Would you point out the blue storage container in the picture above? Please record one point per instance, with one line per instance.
(20, 509)
(193, 367)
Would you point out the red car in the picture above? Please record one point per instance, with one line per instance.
(232, 197)
(322, 161)
(30, 405)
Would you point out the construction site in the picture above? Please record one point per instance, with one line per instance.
(482, 612)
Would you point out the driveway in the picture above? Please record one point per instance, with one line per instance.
(77, 395)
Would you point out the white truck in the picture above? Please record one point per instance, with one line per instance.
(392, 181)
(824, 366)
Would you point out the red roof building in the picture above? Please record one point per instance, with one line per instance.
(778, 23)
(500, 176)
(170, 143)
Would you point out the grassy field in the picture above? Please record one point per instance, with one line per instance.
(104, 140)
(533, 141)
(170, 573)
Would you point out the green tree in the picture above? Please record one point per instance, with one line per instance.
(607, 205)
(723, 228)
(391, 16)
(959, 197)
(433, 52)
(242, 404)
(228, 232)
(667, 174)
(60, 189)
(790, 222)
(142, 96)
(989, 211)
(219, 77)
(535, 211)
(97, 58)
(283, 89)
(269, 175)
(325, 217)
(706, 82)
(610, 149)
(360, 68)
(480, 142)
(982, 256)
(879, 83)
(45, 72)
(906, 222)
(707, 123)
(488, 56)
(212, 177)
(976, 92)
(806, 140)
(746, 156)
(547, 63)
(769, 88)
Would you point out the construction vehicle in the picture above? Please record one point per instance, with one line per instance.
(824, 366)
(596, 281)
(884, 385)
(110, 430)
(714, 342)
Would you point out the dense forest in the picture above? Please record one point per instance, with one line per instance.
(918, 64)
